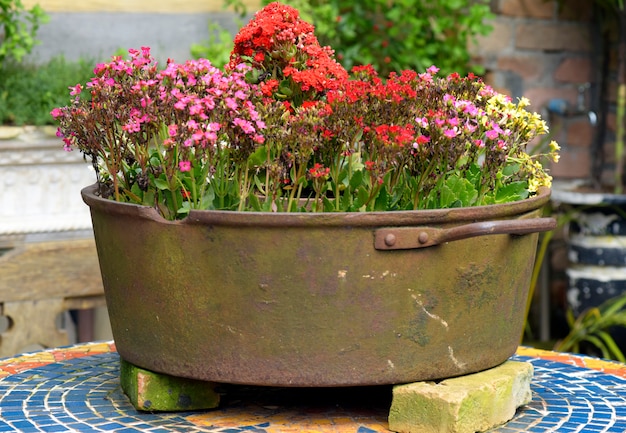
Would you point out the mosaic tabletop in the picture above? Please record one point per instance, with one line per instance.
(76, 389)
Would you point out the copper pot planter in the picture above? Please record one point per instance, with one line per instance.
(328, 299)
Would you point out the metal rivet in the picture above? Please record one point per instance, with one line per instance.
(422, 237)
(390, 240)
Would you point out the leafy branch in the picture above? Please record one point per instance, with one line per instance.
(18, 29)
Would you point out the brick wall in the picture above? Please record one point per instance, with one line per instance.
(542, 51)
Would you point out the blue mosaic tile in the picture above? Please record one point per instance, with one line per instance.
(83, 395)
(130, 430)
(570, 399)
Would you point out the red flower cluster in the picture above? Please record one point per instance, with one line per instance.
(286, 56)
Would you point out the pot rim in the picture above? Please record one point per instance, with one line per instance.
(285, 219)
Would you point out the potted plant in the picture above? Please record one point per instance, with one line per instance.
(284, 222)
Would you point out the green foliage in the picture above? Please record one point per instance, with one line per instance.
(18, 28)
(28, 93)
(593, 326)
(397, 35)
(216, 48)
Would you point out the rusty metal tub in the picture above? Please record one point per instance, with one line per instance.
(330, 299)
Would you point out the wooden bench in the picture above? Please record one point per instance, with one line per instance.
(38, 282)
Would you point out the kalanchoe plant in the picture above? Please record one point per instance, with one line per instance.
(285, 128)
(166, 138)
(286, 56)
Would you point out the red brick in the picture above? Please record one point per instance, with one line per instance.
(609, 152)
(576, 10)
(574, 164)
(553, 37)
(611, 122)
(524, 66)
(580, 133)
(539, 96)
(500, 39)
(574, 70)
(528, 8)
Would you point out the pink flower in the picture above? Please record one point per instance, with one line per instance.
(56, 113)
(492, 134)
(196, 109)
(451, 132)
(132, 126)
(75, 90)
(470, 126)
(184, 166)
(422, 122)
(231, 103)
(67, 144)
(245, 125)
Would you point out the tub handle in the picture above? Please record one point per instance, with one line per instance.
(405, 238)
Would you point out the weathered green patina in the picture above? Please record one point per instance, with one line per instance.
(329, 299)
(154, 392)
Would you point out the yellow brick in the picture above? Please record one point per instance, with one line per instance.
(467, 404)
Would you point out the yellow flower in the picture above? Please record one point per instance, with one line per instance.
(554, 149)
(554, 146)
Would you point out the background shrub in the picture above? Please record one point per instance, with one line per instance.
(29, 92)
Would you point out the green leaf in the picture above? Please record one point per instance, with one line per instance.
(161, 184)
(599, 344)
(612, 346)
(253, 75)
(382, 200)
(184, 209)
(254, 203)
(136, 190)
(258, 157)
(148, 197)
(329, 205)
(356, 180)
(362, 195)
(613, 305)
(513, 191)
(458, 192)
(511, 169)
(285, 89)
